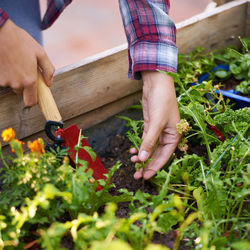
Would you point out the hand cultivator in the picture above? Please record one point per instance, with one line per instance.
(71, 138)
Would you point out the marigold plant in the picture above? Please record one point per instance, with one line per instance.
(8, 134)
(20, 145)
(37, 146)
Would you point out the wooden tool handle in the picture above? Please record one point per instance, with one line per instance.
(46, 101)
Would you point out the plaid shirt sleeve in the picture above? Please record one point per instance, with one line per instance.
(151, 36)
(3, 17)
(55, 8)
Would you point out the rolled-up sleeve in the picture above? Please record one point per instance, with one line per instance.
(151, 36)
(54, 10)
(3, 17)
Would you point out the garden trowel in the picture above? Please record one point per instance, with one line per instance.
(66, 137)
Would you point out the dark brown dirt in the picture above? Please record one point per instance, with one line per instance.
(231, 83)
(118, 150)
(123, 178)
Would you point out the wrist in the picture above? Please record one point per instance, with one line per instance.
(153, 79)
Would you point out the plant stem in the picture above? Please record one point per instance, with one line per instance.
(78, 146)
(238, 214)
(191, 207)
(165, 188)
(203, 173)
(2, 158)
(195, 115)
(182, 227)
(221, 156)
(180, 192)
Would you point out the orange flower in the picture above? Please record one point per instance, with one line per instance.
(36, 146)
(8, 134)
(21, 144)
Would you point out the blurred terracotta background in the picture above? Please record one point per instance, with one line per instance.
(88, 27)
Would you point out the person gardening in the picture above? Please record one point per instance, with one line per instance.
(151, 37)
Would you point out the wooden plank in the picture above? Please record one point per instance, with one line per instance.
(247, 29)
(213, 29)
(94, 117)
(88, 119)
(220, 2)
(93, 83)
(96, 82)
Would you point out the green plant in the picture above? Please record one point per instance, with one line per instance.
(213, 189)
(203, 198)
(37, 190)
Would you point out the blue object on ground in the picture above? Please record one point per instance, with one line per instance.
(233, 95)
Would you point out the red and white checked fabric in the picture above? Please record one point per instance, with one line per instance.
(3, 17)
(151, 34)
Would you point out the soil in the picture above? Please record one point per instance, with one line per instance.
(118, 150)
(231, 83)
(109, 140)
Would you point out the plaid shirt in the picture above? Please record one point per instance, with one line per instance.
(150, 33)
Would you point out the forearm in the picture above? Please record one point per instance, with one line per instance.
(151, 36)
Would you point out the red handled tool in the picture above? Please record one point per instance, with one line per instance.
(65, 137)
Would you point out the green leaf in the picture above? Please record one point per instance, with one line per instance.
(219, 242)
(167, 220)
(102, 182)
(221, 73)
(116, 199)
(113, 245)
(240, 245)
(84, 163)
(90, 152)
(141, 196)
(244, 87)
(240, 76)
(234, 69)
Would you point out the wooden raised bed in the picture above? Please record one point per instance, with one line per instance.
(96, 88)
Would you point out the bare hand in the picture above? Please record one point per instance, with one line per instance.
(20, 57)
(161, 115)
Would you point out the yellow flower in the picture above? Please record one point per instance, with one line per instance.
(37, 146)
(8, 134)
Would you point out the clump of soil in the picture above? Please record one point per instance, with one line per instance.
(118, 150)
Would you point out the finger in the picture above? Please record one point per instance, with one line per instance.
(3, 83)
(149, 140)
(145, 114)
(133, 151)
(142, 154)
(134, 158)
(30, 93)
(138, 174)
(17, 88)
(46, 67)
(161, 156)
(15, 84)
